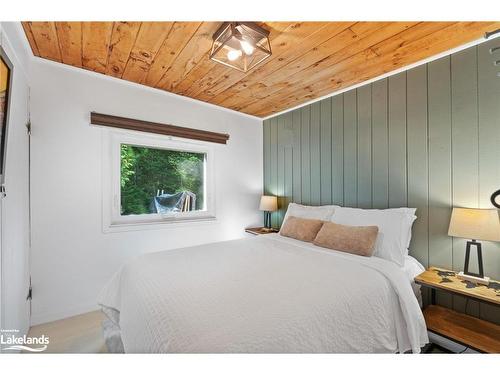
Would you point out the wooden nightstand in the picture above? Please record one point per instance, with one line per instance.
(473, 332)
(260, 230)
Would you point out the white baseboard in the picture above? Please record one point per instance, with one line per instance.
(53, 316)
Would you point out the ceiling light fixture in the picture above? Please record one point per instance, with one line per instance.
(240, 45)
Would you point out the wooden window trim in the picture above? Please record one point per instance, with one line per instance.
(157, 128)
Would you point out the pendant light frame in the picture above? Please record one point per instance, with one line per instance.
(229, 32)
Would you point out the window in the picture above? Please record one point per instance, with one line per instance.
(161, 181)
(157, 180)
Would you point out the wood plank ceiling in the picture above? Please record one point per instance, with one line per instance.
(309, 60)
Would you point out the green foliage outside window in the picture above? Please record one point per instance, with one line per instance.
(145, 170)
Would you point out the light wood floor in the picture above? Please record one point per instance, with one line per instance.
(77, 334)
(83, 334)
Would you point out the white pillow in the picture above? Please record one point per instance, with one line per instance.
(411, 216)
(309, 212)
(394, 226)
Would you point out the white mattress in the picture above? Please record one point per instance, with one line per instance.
(267, 294)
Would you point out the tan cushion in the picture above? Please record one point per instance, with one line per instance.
(350, 239)
(301, 229)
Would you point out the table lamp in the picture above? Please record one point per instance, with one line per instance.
(474, 224)
(268, 203)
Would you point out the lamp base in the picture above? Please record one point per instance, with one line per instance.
(267, 230)
(479, 280)
(267, 220)
(479, 259)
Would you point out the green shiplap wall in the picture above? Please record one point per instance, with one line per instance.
(427, 138)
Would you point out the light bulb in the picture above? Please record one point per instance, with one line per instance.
(233, 54)
(247, 47)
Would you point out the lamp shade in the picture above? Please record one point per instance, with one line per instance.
(475, 224)
(268, 203)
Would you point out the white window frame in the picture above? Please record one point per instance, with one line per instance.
(112, 218)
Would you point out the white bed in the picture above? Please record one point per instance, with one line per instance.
(267, 294)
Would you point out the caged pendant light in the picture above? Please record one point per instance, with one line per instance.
(240, 45)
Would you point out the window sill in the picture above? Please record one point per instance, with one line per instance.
(157, 225)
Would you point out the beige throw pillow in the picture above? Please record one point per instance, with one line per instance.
(350, 239)
(301, 229)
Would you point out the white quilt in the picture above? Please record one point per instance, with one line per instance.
(266, 294)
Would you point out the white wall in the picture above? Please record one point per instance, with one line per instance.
(15, 206)
(71, 256)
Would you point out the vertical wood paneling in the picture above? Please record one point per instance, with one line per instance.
(489, 153)
(326, 151)
(287, 138)
(338, 150)
(288, 183)
(418, 179)
(440, 198)
(305, 168)
(427, 138)
(281, 168)
(315, 154)
(266, 154)
(273, 161)
(350, 150)
(465, 152)
(364, 178)
(397, 140)
(380, 145)
(297, 156)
